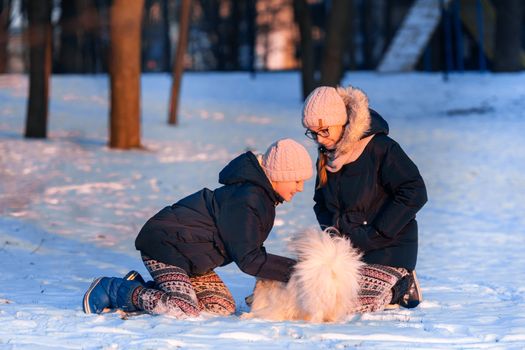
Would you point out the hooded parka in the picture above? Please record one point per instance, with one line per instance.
(373, 199)
(212, 228)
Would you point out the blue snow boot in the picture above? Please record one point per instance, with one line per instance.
(135, 276)
(109, 292)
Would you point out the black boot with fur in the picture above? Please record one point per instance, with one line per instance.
(406, 292)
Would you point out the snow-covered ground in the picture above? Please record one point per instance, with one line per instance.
(70, 209)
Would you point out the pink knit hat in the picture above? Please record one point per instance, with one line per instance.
(324, 107)
(287, 160)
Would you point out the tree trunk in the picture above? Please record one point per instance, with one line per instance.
(166, 37)
(233, 36)
(222, 31)
(338, 29)
(5, 11)
(78, 35)
(124, 67)
(251, 29)
(507, 52)
(367, 32)
(302, 17)
(88, 22)
(388, 32)
(101, 43)
(69, 54)
(178, 65)
(39, 16)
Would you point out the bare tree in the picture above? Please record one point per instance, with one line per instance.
(178, 65)
(5, 10)
(251, 32)
(39, 16)
(338, 29)
(367, 24)
(337, 32)
(509, 21)
(302, 17)
(69, 56)
(124, 68)
(78, 41)
(233, 35)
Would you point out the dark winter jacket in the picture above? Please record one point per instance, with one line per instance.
(374, 199)
(214, 228)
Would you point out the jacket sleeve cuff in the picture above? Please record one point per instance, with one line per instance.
(276, 268)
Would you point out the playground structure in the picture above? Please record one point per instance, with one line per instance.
(478, 17)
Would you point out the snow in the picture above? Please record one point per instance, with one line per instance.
(70, 208)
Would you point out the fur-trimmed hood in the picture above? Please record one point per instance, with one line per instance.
(362, 121)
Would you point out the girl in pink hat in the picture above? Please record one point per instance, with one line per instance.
(369, 190)
(183, 243)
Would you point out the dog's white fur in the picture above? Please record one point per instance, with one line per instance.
(323, 286)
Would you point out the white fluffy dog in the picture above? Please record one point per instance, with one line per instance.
(323, 286)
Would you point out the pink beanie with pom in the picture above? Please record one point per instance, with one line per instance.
(287, 160)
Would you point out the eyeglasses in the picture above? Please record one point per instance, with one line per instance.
(315, 134)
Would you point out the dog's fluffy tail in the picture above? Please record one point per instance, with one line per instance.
(327, 275)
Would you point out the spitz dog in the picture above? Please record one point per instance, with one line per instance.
(323, 286)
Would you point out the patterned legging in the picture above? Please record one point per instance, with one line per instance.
(376, 285)
(179, 295)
